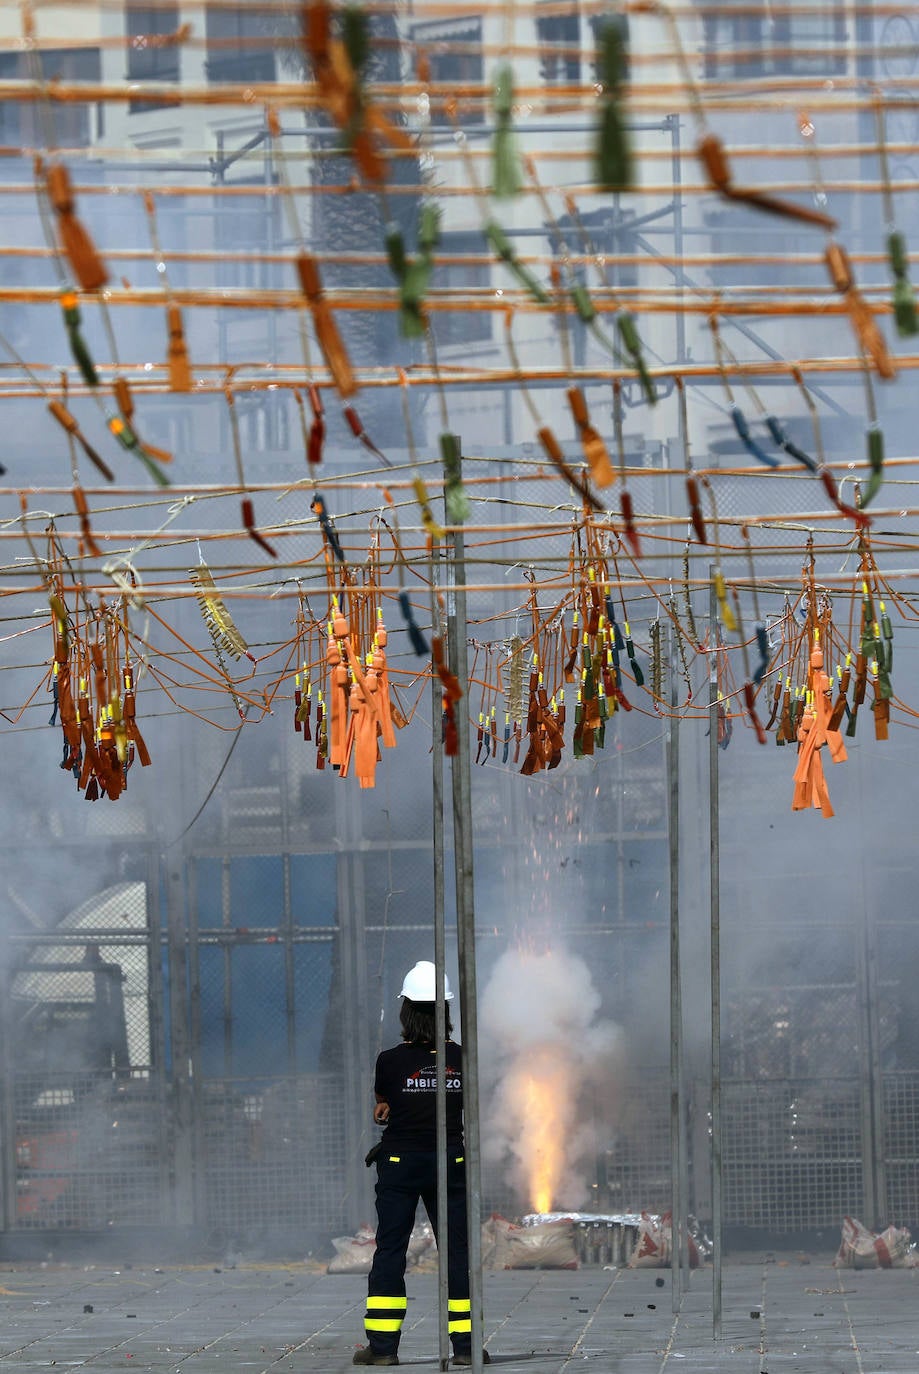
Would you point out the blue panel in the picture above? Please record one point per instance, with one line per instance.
(314, 889)
(313, 979)
(208, 893)
(259, 1021)
(257, 892)
(210, 968)
(167, 1014)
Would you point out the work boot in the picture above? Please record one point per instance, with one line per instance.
(467, 1359)
(367, 1355)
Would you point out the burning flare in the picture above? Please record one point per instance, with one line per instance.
(554, 1071)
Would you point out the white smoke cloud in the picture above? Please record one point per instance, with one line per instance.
(552, 1074)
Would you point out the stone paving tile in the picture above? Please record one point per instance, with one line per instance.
(778, 1318)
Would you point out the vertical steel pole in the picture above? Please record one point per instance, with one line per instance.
(676, 172)
(871, 1079)
(290, 981)
(465, 926)
(715, 970)
(156, 1020)
(8, 1161)
(227, 951)
(353, 958)
(678, 1202)
(871, 1086)
(879, 1114)
(199, 1151)
(182, 1073)
(440, 1019)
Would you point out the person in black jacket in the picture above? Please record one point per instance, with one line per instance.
(405, 1086)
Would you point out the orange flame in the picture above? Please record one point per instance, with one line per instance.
(541, 1100)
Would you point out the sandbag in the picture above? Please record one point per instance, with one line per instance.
(422, 1247)
(654, 1243)
(864, 1249)
(549, 1245)
(495, 1246)
(353, 1254)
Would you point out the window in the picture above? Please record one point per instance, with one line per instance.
(151, 54)
(810, 44)
(468, 270)
(784, 44)
(559, 38)
(454, 53)
(246, 227)
(733, 45)
(22, 123)
(239, 46)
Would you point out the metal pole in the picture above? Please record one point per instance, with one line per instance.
(287, 936)
(879, 1115)
(156, 1004)
(874, 1181)
(440, 1019)
(182, 1071)
(715, 972)
(678, 1202)
(352, 955)
(199, 1154)
(8, 1163)
(465, 927)
(676, 171)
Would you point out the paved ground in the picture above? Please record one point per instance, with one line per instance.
(778, 1318)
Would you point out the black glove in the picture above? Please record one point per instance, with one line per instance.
(372, 1153)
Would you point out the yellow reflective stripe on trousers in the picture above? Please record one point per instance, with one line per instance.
(385, 1314)
(460, 1310)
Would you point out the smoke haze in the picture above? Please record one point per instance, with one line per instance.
(555, 1071)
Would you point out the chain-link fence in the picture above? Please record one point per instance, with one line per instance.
(269, 1145)
(192, 1048)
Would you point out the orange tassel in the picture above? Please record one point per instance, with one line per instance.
(601, 469)
(82, 509)
(714, 159)
(330, 341)
(88, 268)
(355, 713)
(341, 94)
(338, 702)
(180, 378)
(125, 403)
(554, 452)
(66, 707)
(68, 423)
(864, 324)
(365, 751)
(129, 710)
(813, 732)
(384, 704)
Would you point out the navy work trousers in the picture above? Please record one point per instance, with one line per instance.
(401, 1180)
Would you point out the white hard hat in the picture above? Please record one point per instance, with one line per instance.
(420, 983)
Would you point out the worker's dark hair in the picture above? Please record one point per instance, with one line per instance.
(418, 1021)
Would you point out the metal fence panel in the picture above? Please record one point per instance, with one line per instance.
(901, 1146)
(275, 1141)
(792, 1153)
(272, 1156)
(89, 1152)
